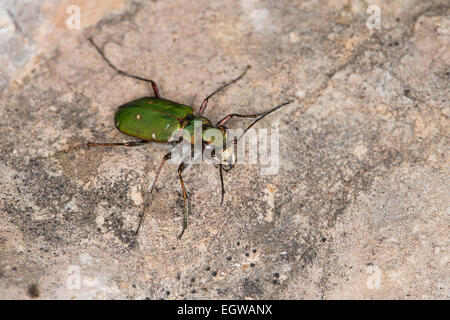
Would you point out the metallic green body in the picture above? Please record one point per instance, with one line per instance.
(152, 119)
(159, 120)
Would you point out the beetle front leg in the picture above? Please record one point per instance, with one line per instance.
(257, 116)
(225, 119)
(205, 102)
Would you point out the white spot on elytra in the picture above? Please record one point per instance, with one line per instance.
(138, 116)
(153, 135)
(117, 124)
(167, 126)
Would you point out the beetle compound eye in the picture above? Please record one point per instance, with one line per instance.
(211, 135)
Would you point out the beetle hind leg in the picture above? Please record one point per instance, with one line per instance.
(123, 73)
(97, 144)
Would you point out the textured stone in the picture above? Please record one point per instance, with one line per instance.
(359, 208)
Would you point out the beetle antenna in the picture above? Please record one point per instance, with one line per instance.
(261, 117)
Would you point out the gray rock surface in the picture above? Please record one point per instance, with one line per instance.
(359, 208)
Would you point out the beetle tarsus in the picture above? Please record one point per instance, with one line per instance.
(221, 183)
(184, 228)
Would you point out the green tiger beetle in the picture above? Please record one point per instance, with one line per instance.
(155, 119)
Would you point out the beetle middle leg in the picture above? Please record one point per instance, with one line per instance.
(123, 73)
(181, 167)
(166, 157)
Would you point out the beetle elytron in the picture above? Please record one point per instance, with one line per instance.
(154, 119)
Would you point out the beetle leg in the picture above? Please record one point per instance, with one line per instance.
(185, 199)
(114, 144)
(123, 73)
(225, 119)
(95, 144)
(166, 157)
(221, 183)
(258, 116)
(205, 102)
